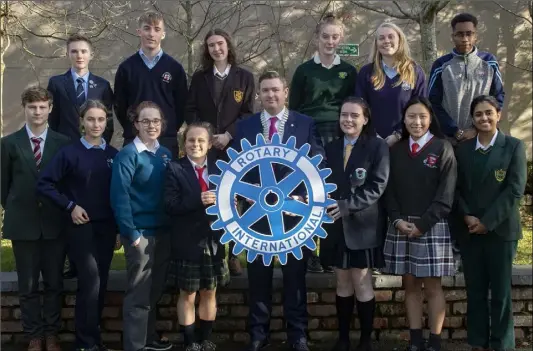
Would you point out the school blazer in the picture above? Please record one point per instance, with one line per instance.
(359, 190)
(236, 101)
(190, 223)
(65, 115)
(28, 216)
(495, 197)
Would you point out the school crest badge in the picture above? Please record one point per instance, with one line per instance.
(166, 159)
(238, 95)
(431, 161)
(499, 174)
(343, 75)
(406, 86)
(110, 162)
(360, 173)
(167, 77)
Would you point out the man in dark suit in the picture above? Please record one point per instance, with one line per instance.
(74, 87)
(70, 90)
(275, 118)
(34, 226)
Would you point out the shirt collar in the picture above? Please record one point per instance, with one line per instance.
(139, 145)
(223, 74)
(196, 165)
(474, 51)
(485, 148)
(346, 141)
(75, 75)
(91, 146)
(422, 141)
(156, 57)
(31, 135)
(336, 60)
(279, 115)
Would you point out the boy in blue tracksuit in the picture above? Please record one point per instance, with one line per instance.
(461, 75)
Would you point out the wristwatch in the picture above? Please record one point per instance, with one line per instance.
(459, 134)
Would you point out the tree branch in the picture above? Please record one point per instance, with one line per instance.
(521, 68)
(514, 13)
(382, 11)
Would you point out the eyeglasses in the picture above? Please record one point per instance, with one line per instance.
(464, 34)
(147, 122)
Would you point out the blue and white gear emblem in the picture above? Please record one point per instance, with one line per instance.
(265, 155)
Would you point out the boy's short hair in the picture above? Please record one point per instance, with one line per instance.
(36, 94)
(151, 18)
(79, 37)
(272, 75)
(463, 17)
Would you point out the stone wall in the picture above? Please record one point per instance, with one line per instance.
(389, 323)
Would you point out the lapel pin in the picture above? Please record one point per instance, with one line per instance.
(292, 125)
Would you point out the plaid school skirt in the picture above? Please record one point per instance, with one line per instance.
(192, 276)
(328, 131)
(429, 255)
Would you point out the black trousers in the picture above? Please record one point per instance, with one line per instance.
(170, 143)
(294, 298)
(32, 258)
(90, 247)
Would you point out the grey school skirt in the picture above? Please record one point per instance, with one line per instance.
(429, 255)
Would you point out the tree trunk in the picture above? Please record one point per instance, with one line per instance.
(4, 45)
(428, 40)
(187, 6)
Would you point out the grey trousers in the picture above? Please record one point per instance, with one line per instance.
(136, 305)
(32, 258)
(159, 278)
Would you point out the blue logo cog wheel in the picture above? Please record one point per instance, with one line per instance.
(271, 199)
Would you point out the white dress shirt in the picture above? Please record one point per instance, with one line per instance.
(140, 146)
(205, 174)
(279, 115)
(42, 136)
(485, 148)
(422, 141)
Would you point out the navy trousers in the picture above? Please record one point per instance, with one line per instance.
(90, 247)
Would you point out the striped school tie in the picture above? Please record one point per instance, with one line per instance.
(37, 154)
(80, 92)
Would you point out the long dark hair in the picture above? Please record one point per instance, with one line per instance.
(434, 125)
(368, 129)
(207, 60)
(484, 98)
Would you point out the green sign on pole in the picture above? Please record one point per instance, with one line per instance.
(348, 50)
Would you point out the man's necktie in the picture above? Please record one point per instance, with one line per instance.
(203, 184)
(272, 130)
(80, 92)
(347, 152)
(37, 154)
(414, 148)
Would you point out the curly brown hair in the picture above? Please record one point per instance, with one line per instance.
(207, 60)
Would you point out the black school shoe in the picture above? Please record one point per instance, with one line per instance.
(159, 345)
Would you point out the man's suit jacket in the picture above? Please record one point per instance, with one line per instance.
(495, 197)
(236, 99)
(190, 223)
(65, 115)
(358, 192)
(26, 215)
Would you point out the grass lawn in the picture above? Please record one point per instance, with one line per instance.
(524, 254)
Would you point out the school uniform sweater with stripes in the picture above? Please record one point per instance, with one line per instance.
(421, 184)
(318, 92)
(387, 103)
(137, 185)
(455, 80)
(80, 176)
(165, 84)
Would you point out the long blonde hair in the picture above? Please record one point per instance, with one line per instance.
(404, 65)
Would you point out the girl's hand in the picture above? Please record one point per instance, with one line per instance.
(334, 211)
(404, 227)
(79, 216)
(415, 232)
(208, 198)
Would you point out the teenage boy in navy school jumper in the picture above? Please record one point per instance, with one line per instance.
(34, 226)
(78, 181)
(70, 90)
(152, 75)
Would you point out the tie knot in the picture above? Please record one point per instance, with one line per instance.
(80, 80)
(273, 120)
(36, 141)
(415, 147)
(200, 170)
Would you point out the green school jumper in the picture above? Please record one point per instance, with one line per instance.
(490, 184)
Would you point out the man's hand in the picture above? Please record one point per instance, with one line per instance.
(118, 243)
(136, 242)
(220, 141)
(391, 140)
(469, 134)
(208, 198)
(470, 221)
(79, 216)
(478, 228)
